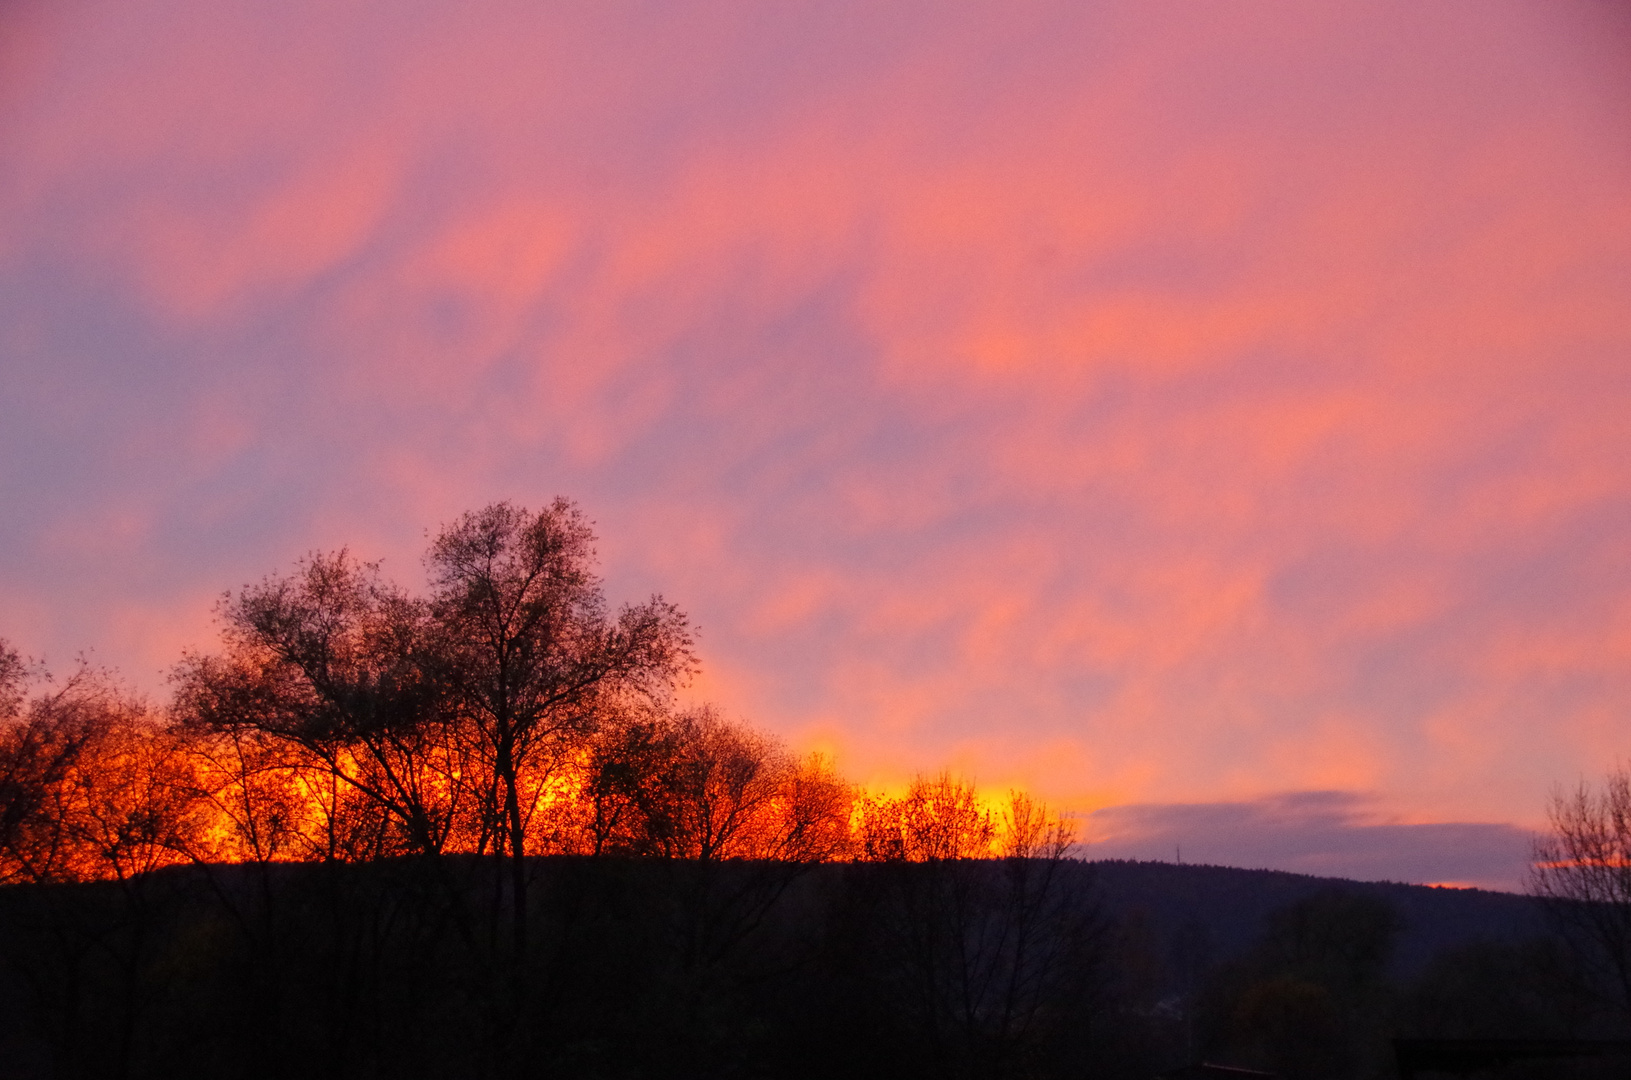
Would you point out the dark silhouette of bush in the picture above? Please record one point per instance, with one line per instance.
(1312, 998)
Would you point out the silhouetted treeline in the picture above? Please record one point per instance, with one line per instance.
(635, 968)
(504, 714)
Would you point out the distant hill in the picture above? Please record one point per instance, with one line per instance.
(1208, 914)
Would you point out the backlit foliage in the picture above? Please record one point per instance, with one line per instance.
(96, 785)
(92, 786)
(507, 714)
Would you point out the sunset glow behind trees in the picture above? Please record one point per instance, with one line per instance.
(507, 714)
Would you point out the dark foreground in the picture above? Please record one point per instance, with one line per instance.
(655, 968)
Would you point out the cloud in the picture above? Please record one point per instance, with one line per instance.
(1323, 833)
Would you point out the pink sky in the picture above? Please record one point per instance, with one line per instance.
(1155, 405)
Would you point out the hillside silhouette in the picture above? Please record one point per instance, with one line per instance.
(1223, 910)
(684, 968)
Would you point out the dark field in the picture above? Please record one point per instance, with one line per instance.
(678, 968)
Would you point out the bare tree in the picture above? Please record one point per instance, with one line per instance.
(91, 787)
(938, 818)
(1582, 869)
(686, 785)
(246, 779)
(532, 659)
(722, 786)
(811, 818)
(338, 665)
(13, 680)
(995, 942)
(693, 785)
(128, 799)
(95, 787)
(38, 747)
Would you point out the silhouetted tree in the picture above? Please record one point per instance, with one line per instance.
(339, 666)
(697, 790)
(93, 789)
(936, 819)
(38, 747)
(530, 656)
(1312, 998)
(691, 785)
(13, 681)
(993, 966)
(810, 820)
(1501, 990)
(1582, 870)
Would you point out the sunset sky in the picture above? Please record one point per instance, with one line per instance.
(1214, 418)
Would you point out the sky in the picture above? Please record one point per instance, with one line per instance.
(1215, 419)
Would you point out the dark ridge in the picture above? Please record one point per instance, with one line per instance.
(1220, 911)
(649, 967)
